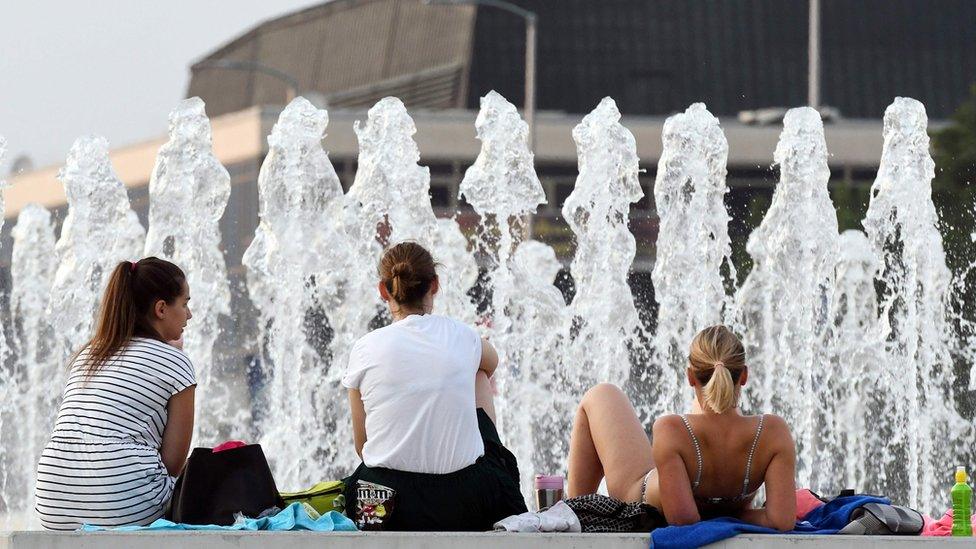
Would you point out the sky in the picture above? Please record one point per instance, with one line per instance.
(109, 67)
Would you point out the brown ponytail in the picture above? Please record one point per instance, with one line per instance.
(407, 270)
(717, 360)
(133, 289)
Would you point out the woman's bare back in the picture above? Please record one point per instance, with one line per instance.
(729, 446)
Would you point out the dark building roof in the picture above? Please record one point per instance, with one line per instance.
(352, 51)
(654, 57)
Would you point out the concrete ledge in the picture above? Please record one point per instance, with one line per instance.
(439, 540)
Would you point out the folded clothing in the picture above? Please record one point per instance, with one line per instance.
(229, 445)
(294, 517)
(806, 501)
(826, 519)
(943, 526)
(558, 518)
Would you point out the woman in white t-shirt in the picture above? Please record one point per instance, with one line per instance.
(422, 410)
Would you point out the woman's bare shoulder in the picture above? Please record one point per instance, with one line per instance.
(666, 425)
(777, 430)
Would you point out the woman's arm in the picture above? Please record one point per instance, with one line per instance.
(677, 501)
(358, 420)
(780, 479)
(178, 431)
(489, 358)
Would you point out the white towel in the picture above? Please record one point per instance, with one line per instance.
(558, 518)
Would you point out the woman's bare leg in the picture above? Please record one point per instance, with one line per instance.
(484, 394)
(608, 440)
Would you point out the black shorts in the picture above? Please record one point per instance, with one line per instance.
(471, 499)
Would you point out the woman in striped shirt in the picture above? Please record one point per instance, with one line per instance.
(124, 426)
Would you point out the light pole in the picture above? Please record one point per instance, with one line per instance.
(291, 83)
(813, 52)
(530, 40)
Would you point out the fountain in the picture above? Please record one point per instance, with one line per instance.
(503, 189)
(8, 437)
(604, 318)
(32, 274)
(391, 187)
(694, 263)
(99, 231)
(827, 351)
(784, 303)
(294, 266)
(856, 360)
(902, 225)
(188, 191)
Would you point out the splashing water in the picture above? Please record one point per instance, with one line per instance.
(393, 192)
(901, 223)
(502, 187)
(458, 272)
(294, 259)
(7, 435)
(605, 322)
(35, 379)
(785, 300)
(502, 180)
(188, 191)
(391, 187)
(541, 402)
(693, 246)
(878, 390)
(99, 231)
(846, 444)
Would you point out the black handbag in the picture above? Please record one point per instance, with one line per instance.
(213, 487)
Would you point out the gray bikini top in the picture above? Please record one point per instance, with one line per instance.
(745, 482)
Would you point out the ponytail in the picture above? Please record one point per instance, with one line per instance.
(408, 271)
(719, 392)
(132, 291)
(717, 360)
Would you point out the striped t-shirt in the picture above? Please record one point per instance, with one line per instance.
(102, 465)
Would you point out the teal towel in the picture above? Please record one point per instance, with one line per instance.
(293, 517)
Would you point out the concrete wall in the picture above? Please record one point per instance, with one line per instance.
(403, 540)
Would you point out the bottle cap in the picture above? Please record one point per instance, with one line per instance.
(961, 474)
(548, 482)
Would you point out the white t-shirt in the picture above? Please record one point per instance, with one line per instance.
(417, 377)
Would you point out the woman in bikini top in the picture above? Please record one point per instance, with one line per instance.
(701, 465)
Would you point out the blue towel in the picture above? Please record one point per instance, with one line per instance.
(293, 517)
(826, 519)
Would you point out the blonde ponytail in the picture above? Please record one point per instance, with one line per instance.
(719, 392)
(717, 360)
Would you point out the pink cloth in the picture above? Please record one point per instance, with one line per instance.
(806, 502)
(943, 526)
(229, 445)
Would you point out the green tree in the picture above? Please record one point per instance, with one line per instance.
(954, 147)
(954, 188)
(954, 191)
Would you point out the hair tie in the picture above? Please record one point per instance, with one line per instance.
(720, 364)
(132, 266)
